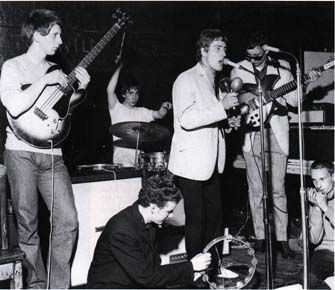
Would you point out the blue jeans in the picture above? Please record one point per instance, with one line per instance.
(28, 174)
(276, 161)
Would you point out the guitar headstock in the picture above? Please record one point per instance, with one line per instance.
(122, 18)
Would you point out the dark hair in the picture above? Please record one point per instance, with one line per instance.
(206, 37)
(257, 38)
(319, 164)
(41, 20)
(158, 190)
(130, 83)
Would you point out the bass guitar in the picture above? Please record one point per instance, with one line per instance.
(49, 116)
(249, 98)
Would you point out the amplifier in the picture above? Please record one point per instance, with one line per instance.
(312, 116)
(318, 143)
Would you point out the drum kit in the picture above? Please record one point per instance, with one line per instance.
(143, 136)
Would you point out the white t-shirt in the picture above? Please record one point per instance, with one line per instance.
(120, 113)
(15, 73)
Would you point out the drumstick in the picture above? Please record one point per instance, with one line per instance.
(118, 57)
(122, 42)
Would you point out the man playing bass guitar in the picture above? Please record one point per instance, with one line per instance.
(260, 66)
(32, 170)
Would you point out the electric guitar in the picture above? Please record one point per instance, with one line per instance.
(48, 119)
(249, 102)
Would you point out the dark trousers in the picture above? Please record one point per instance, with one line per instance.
(322, 267)
(203, 212)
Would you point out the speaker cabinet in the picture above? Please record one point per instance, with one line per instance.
(96, 203)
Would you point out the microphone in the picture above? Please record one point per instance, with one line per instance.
(270, 48)
(235, 85)
(226, 61)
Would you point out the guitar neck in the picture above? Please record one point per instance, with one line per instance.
(292, 85)
(90, 57)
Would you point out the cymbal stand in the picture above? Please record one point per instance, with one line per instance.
(267, 226)
(137, 144)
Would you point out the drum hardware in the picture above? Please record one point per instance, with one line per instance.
(98, 167)
(135, 134)
(233, 271)
(155, 161)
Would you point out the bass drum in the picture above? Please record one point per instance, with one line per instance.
(155, 161)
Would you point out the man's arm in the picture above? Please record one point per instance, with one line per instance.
(14, 98)
(130, 255)
(111, 95)
(188, 112)
(316, 211)
(161, 113)
(315, 225)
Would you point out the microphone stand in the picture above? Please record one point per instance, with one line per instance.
(303, 201)
(267, 226)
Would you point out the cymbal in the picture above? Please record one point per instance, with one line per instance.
(147, 132)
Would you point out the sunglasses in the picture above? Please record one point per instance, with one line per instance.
(256, 58)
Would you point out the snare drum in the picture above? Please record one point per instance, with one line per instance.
(155, 161)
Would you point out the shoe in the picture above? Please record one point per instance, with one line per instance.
(259, 246)
(285, 250)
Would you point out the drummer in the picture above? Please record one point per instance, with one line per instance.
(128, 112)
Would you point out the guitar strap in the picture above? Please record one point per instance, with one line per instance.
(276, 106)
(260, 74)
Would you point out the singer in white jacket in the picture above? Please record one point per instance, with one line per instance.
(198, 146)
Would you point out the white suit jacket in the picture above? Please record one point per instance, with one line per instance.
(279, 124)
(197, 144)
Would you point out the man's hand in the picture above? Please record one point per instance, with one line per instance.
(316, 198)
(313, 76)
(201, 261)
(165, 107)
(56, 77)
(83, 77)
(234, 122)
(229, 100)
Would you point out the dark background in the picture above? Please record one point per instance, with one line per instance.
(159, 45)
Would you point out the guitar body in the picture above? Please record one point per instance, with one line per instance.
(48, 118)
(249, 98)
(39, 124)
(249, 104)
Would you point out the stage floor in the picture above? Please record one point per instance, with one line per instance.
(285, 271)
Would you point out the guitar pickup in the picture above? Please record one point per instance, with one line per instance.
(39, 113)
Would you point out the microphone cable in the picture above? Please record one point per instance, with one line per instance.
(51, 213)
